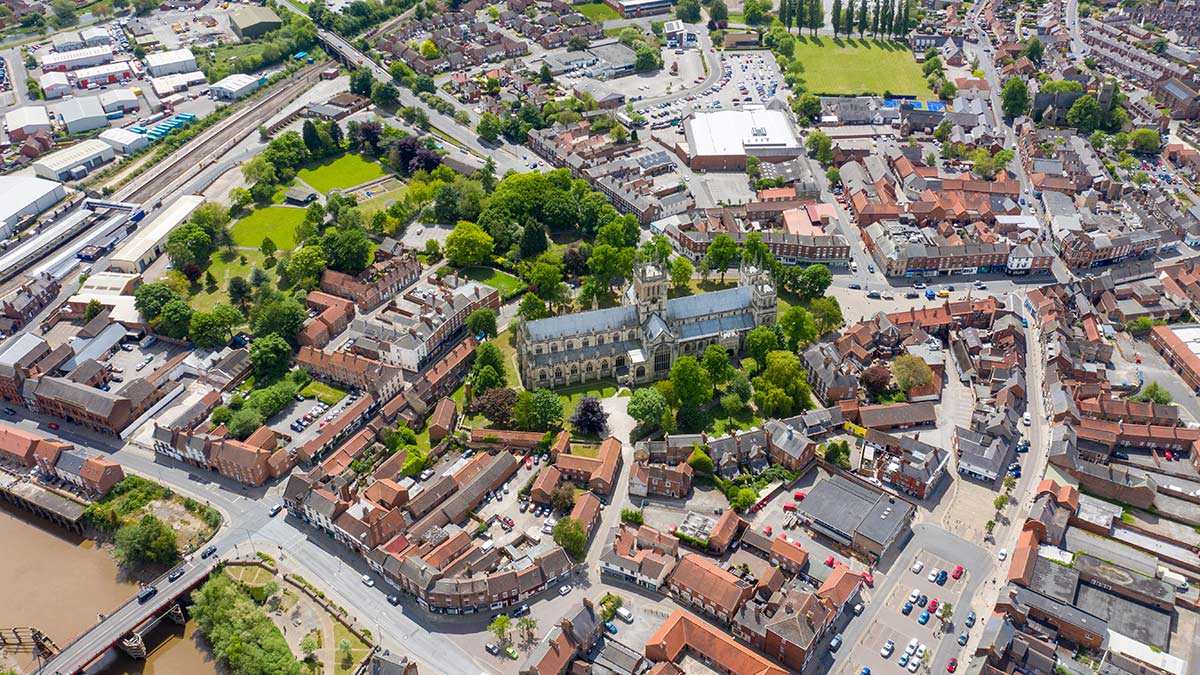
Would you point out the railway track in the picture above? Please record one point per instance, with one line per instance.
(210, 145)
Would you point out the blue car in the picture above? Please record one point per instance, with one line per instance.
(941, 578)
(610, 627)
(865, 671)
(924, 618)
(904, 659)
(907, 609)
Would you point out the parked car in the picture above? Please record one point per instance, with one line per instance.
(917, 566)
(368, 581)
(924, 618)
(563, 590)
(923, 600)
(941, 578)
(958, 572)
(906, 609)
(970, 621)
(836, 643)
(933, 605)
(887, 649)
(962, 638)
(276, 509)
(933, 575)
(492, 649)
(393, 600)
(610, 627)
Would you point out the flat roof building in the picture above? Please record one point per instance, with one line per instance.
(119, 99)
(169, 63)
(855, 515)
(54, 84)
(146, 245)
(26, 120)
(124, 141)
(235, 86)
(24, 196)
(73, 162)
(107, 73)
(82, 114)
(723, 139)
(252, 22)
(78, 58)
(95, 36)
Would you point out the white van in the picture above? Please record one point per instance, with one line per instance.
(626, 615)
(853, 266)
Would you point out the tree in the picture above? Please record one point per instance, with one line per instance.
(497, 405)
(691, 381)
(149, 541)
(1145, 140)
(92, 310)
(590, 419)
(1085, 115)
(385, 94)
(244, 422)
(610, 263)
(269, 355)
(816, 16)
(722, 252)
(1009, 483)
(740, 386)
(283, 318)
(239, 291)
(716, 362)
(533, 240)
(760, 342)
(577, 43)
(753, 12)
(911, 372)
(149, 299)
(989, 527)
(848, 18)
(633, 517)
(783, 386)
(206, 330)
(546, 409)
(814, 281)
(752, 164)
(1140, 326)
(863, 19)
(1153, 393)
(946, 612)
(837, 453)
(174, 320)
(681, 272)
(308, 646)
(563, 497)
(531, 307)
(647, 406)
(718, 11)
(527, 625)
(1014, 98)
(821, 146)
(306, 265)
(347, 250)
(827, 313)
(731, 405)
(1000, 502)
(798, 325)
(688, 11)
(877, 379)
(835, 17)
(1034, 50)
(570, 535)
(468, 244)
(489, 127)
(500, 627)
(482, 322)
(646, 59)
(743, 499)
(700, 461)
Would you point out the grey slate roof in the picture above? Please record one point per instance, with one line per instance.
(583, 323)
(705, 304)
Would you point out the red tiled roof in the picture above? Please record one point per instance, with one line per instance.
(684, 630)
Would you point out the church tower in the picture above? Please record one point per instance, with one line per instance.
(764, 300)
(649, 289)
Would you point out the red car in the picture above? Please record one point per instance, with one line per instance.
(952, 665)
(829, 561)
(798, 496)
(1167, 454)
(958, 571)
(528, 462)
(870, 580)
(767, 530)
(933, 605)
(52, 425)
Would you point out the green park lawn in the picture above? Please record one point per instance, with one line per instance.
(277, 222)
(501, 281)
(381, 197)
(598, 12)
(358, 650)
(340, 173)
(224, 266)
(323, 392)
(851, 66)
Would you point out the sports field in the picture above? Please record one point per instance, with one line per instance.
(277, 222)
(343, 172)
(598, 12)
(860, 67)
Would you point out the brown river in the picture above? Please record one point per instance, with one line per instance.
(57, 582)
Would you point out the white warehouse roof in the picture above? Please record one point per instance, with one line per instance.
(52, 78)
(141, 248)
(20, 194)
(739, 132)
(161, 59)
(27, 116)
(87, 53)
(236, 82)
(123, 139)
(75, 155)
(81, 108)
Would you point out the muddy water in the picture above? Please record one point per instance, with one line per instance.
(57, 582)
